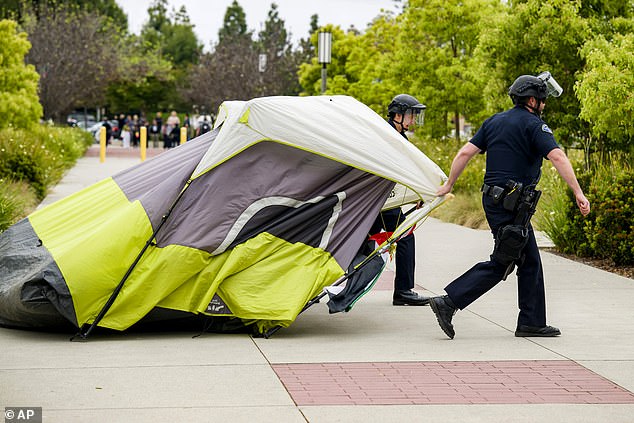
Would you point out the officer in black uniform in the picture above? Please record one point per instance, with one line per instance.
(403, 111)
(515, 142)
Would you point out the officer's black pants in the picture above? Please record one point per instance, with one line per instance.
(485, 275)
(405, 249)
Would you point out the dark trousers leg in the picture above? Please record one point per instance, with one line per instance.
(405, 263)
(474, 283)
(405, 249)
(530, 287)
(485, 275)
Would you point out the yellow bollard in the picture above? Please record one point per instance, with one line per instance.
(143, 142)
(183, 135)
(102, 144)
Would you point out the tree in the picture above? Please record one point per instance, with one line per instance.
(144, 82)
(536, 36)
(338, 80)
(436, 58)
(605, 90)
(170, 36)
(281, 64)
(371, 62)
(306, 48)
(18, 9)
(19, 105)
(75, 66)
(230, 71)
(235, 24)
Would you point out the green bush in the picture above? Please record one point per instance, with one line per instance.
(15, 199)
(608, 232)
(19, 102)
(37, 157)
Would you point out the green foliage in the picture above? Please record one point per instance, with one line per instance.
(235, 23)
(171, 37)
(338, 78)
(40, 156)
(607, 84)
(16, 199)
(145, 82)
(443, 152)
(539, 35)
(19, 103)
(436, 60)
(608, 232)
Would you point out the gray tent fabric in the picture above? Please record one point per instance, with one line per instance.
(32, 292)
(305, 178)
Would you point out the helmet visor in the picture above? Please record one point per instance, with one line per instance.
(553, 87)
(416, 116)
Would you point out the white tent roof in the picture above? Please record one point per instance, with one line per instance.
(337, 127)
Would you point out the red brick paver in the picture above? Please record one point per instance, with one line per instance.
(463, 382)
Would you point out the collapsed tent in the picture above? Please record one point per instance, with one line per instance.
(249, 221)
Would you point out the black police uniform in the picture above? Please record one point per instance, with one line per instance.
(515, 142)
(405, 248)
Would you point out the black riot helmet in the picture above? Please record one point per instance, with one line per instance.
(527, 86)
(404, 104)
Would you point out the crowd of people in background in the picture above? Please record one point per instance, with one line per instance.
(160, 133)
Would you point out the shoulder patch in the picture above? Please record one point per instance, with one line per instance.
(546, 129)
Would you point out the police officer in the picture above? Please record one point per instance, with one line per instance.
(404, 111)
(515, 142)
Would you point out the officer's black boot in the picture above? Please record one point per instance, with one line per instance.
(444, 309)
(409, 298)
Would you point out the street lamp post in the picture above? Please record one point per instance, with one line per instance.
(262, 63)
(324, 48)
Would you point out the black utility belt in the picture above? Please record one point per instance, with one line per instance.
(509, 195)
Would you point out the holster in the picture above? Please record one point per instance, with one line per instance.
(509, 243)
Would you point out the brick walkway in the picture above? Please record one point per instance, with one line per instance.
(463, 382)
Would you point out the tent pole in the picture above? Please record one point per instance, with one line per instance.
(83, 333)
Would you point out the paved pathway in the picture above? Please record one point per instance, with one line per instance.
(378, 363)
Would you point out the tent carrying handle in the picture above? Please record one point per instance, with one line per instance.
(85, 331)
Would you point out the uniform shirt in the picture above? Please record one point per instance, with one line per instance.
(515, 142)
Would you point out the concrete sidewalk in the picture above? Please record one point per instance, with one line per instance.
(378, 363)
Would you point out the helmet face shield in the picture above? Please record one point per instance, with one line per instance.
(419, 117)
(416, 116)
(553, 87)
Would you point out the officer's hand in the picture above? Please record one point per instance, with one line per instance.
(444, 190)
(583, 204)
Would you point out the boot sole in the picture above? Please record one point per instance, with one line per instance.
(405, 303)
(536, 335)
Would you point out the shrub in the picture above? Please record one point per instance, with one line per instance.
(19, 102)
(37, 159)
(15, 199)
(608, 232)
